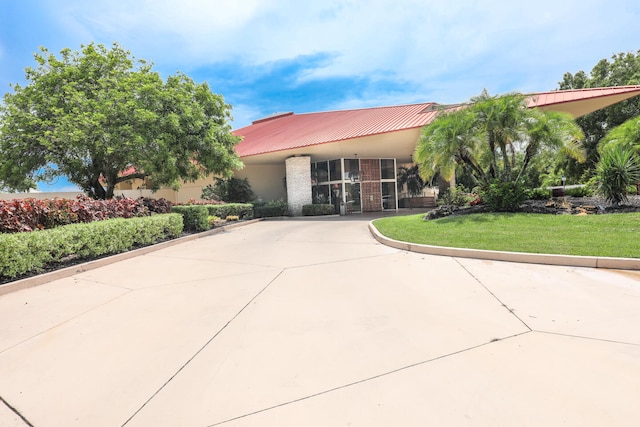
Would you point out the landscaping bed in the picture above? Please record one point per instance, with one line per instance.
(554, 206)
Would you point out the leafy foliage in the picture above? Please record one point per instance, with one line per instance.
(494, 140)
(618, 169)
(270, 209)
(318, 209)
(410, 177)
(20, 215)
(25, 252)
(504, 196)
(195, 217)
(456, 196)
(623, 69)
(241, 210)
(230, 190)
(100, 118)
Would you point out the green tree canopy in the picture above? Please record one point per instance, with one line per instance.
(623, 69)
(100, 117)
(494, 139)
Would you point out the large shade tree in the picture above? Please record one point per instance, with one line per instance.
(621, 70)
(494, 139)
(100, 117)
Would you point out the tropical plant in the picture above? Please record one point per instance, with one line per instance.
(494, 140)
(100, 118)
(617, 169)
(410, 177)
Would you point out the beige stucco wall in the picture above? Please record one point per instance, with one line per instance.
(266, 180)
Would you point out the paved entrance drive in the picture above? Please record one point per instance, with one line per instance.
(314, 323)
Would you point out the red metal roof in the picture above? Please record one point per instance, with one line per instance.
(286, 131)
(545, 99)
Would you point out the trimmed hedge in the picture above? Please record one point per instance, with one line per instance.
(318, 209)
(241, 210)
(195, 217)
(25, 252)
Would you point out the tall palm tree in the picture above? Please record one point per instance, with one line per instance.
(493, 137)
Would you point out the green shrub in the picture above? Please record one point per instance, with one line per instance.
(195, 217)
(241, 210)
(232, 190)
(578, 192)
(456, 196)
(318, 209)
(25, 252)
(617, 170)
(270, 209)
(504, 196)
(539, 194)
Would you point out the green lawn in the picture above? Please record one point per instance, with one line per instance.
(610, 235)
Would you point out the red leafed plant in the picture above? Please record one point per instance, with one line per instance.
(19, 215)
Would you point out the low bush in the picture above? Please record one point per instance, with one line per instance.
(578, 192)
(504, 196)
(26, 252)
(457, 196)
(161, 205)
(232, 218)
(241, 210)
(19, 215)
(195, 217)
(539, 194)
(318, 209)
(270, 209)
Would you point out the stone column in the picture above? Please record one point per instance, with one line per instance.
(298, 183)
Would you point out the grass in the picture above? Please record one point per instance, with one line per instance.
(610, 235)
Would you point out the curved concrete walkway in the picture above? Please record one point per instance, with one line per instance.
(315, 323)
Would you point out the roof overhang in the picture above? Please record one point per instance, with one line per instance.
(582, 101)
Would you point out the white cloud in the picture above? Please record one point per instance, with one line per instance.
(419, 42)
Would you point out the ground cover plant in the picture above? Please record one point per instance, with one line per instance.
(591, 235)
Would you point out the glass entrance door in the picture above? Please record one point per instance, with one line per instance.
(352, 196)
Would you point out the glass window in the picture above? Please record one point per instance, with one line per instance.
(352, 170)
(387, 169)
(320, 194)
(335, 170)
(322, 172)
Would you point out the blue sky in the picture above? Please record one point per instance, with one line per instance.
(267, 56)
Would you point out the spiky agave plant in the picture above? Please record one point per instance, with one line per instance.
(618, 169)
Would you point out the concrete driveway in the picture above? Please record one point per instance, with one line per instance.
(314, 323)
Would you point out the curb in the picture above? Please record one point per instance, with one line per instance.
(521, 257)
(41, 279)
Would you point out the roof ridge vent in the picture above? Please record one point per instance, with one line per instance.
(272, 116)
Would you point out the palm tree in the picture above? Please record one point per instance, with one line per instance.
(493, 137)
(412, 179)
(450, 141)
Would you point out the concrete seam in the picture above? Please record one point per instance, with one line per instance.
(492, 294)
(588, 338)
(203, 347)
(65, 322)
(384, 374)
(15, 411)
